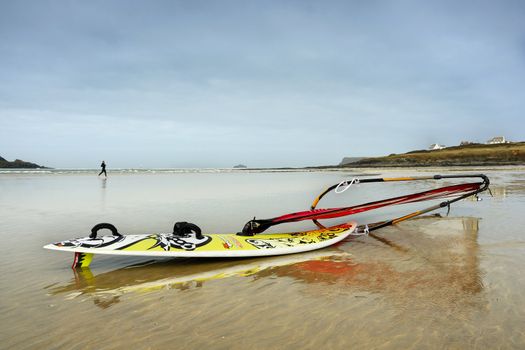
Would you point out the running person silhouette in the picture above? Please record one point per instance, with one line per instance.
(103, 171)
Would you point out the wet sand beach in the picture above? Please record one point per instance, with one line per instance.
(435, 282)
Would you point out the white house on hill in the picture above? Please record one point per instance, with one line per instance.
(435, 146)
(497, 139)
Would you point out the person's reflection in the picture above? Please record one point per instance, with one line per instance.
(103, 183)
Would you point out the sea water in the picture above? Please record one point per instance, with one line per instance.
(435, 282)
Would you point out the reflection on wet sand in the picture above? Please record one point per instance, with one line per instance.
(180, 274)
(498, 191)
(515, 187)
(434, 260)
(440, 259)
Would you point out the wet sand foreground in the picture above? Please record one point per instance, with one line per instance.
(451, 282)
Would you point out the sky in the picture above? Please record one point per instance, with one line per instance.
(262, 83)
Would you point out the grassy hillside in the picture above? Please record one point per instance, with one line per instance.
(475, 154)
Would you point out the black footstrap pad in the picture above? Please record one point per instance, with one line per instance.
(184, 228)
(102, 226)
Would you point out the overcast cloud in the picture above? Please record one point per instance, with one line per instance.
(264, 83)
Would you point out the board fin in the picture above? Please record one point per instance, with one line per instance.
(82, 260)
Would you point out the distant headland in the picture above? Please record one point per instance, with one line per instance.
(17, 163)
(466, 154)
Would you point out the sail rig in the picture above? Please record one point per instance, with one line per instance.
(451, 194)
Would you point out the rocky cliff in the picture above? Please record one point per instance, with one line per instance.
(17, 163)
